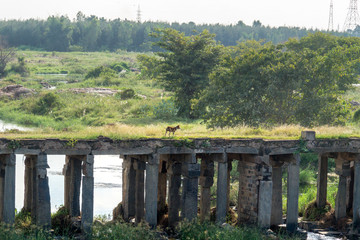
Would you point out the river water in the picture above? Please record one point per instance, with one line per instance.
(107, 182)
(107, 179)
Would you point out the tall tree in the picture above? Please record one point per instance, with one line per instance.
(58, 33)
(185, 64)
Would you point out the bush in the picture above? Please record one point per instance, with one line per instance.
(313, 213)
(165, 110)
(76, 48)
(23, 220)
(102, 70)
(61, 222)
(20, 67)
(356, 116)
(46, 104)
(118, 67)
(141, 110)
(306, 177)
(127, 94)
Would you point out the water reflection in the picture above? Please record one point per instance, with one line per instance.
(315, 236)
(8, 126)
(107, 181)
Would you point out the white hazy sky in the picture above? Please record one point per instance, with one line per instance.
(300, 13)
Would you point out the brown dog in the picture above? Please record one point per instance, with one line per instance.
(172, 130)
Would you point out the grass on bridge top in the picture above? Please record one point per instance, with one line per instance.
(122, 131)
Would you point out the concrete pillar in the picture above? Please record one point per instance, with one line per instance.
(7, 188)
(191, 173)
(162, 187)
(356, 201)
(221, 193)
(72, 184)
(2, 185)
(206, 181)
(293, 194)
(174, 173)
(308, 135)
(41, 210)
(340, 202)
(350, 189)
(228, 185)
(264, 211)
(28, 183)
(139, 167)
(129, 177)
(87, 203)
(151, 187)
(322, 181)
(276, 203)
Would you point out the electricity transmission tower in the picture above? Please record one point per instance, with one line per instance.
(138, 18)
(352, 18)
(331, 17)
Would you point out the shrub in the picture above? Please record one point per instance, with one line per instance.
(46, 104)
(76, 48)
(118, 67)
(61, 222)
(313, 213)
(165, 110)
(20, 67)
(102, 70)
(23, 220)
(356, 116)
(306, 177)
(141, 110)
(127, 94)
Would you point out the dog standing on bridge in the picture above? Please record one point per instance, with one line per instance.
(172, 130)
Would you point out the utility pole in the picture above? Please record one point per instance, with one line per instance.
(331, 17)
(352, 18)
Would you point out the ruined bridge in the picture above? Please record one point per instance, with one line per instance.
(157, 172)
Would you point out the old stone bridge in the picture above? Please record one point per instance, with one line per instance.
(157, 172)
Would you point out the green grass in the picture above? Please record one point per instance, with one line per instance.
(210, 231)
(185, 231)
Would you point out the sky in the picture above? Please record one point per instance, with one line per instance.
(274, 13)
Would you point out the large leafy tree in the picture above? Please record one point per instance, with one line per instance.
(185, 64)
(296, 82)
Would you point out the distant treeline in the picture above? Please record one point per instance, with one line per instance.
(91, 33)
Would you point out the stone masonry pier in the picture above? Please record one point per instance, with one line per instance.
(161, 173)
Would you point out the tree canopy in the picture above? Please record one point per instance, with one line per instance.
(300, 81)
(185, 65)
(92, 33)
